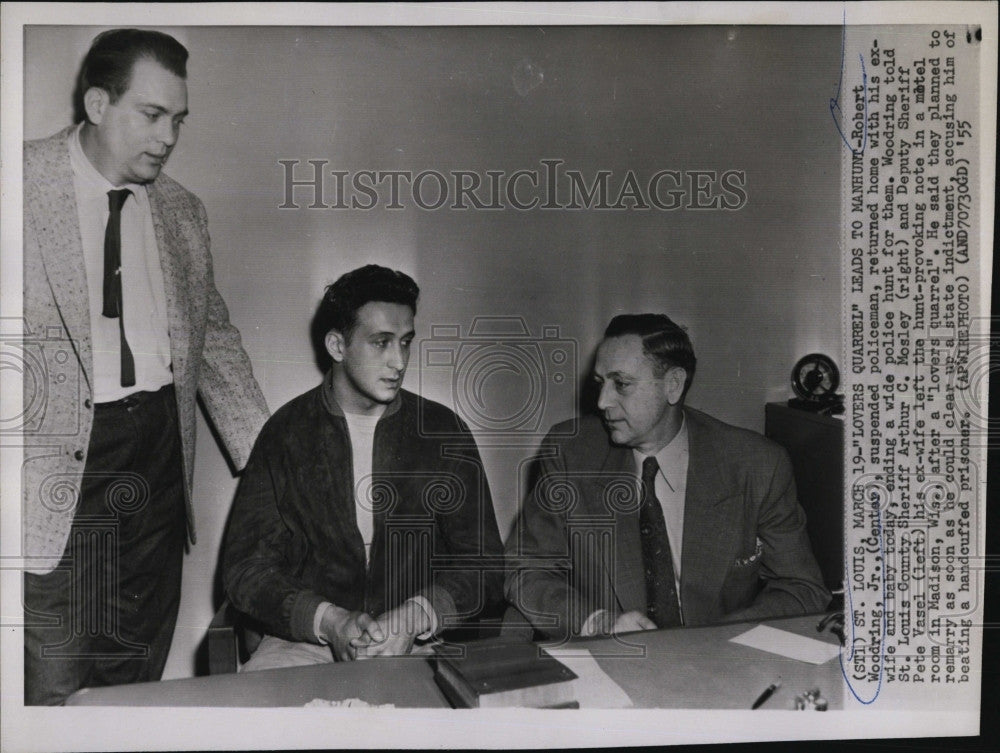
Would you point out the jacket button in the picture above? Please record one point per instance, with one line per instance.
(87, 404)
(78, 454)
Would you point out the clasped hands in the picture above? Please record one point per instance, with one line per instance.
(358, 635)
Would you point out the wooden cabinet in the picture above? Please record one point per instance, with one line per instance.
(815, 444)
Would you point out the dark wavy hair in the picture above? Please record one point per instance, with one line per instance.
(664, 342)
(112, 55)
(339, 308)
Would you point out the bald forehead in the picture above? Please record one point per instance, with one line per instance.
(623, 356)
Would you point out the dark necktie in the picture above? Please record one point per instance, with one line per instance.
(662, 606)
(113, 279)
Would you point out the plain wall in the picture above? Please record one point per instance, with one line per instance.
(757, 288)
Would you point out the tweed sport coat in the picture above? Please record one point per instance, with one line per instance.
(207, 356)
(745, 553)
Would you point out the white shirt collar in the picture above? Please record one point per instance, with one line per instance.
(672, 459)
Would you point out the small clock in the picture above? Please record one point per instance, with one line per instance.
(815, 380)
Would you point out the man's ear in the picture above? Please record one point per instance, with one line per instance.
(95, 101)
(674, 384)
(335, 345)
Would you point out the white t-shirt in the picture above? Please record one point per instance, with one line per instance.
(361, 431)
(362, 434)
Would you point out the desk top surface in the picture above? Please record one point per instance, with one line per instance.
(679, 668)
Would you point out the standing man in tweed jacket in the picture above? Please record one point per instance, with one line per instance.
(124, 321)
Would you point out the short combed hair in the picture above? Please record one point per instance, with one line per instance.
(341, 301)
(664, 342)
(112, 55)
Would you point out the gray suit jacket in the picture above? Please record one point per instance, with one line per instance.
(745, 552)
(206, 352)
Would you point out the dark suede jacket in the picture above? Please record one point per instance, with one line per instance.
(293, 540)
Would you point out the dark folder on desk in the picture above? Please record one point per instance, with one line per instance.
(500, 672)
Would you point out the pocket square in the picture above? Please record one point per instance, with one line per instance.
(747, 561)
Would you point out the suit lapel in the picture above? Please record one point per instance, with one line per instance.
(627, 580)
(175, 282)
(711, 510)
(51, 196)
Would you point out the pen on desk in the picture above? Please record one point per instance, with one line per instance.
(762, 698)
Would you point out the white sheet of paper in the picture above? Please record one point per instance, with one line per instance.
(787, 644)
(592, 689)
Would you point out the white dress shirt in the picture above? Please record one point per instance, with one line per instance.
(144, 301)
(670, 486)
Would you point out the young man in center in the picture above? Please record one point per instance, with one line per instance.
(363, 520)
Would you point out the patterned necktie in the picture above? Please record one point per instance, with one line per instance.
(662, 606)
(113, 279)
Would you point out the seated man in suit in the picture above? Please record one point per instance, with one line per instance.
(654, 514)
(363, 516)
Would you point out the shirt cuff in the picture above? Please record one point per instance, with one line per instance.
(431, 614)
(589, 627)
(318, 621)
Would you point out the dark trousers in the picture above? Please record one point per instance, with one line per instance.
(106, 614)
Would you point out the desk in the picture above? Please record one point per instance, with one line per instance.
(681, 668)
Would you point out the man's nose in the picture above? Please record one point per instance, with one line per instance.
(168, 132)
(604, 397)
(397, 359)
